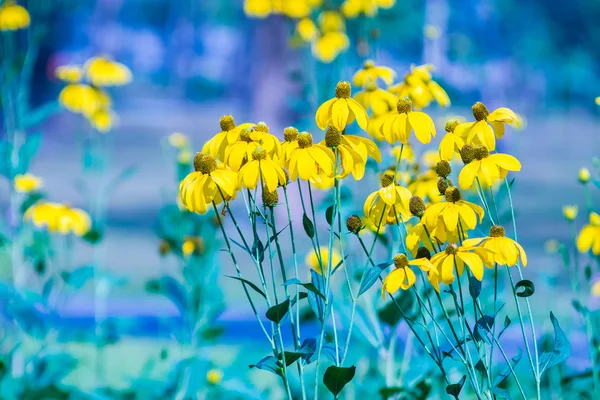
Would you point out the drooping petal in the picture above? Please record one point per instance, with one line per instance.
(503, 114)
(324, 114)
(473, 262)
(422, 125)
(362, 118)
(468, 173)
(448, 270)
(339, 114)
(410, 279)
(506, 161)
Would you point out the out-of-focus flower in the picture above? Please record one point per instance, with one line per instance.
(370, 72)
(69, 73)
(596, 289)
(419, 86)
(313, 261)
(589, 237)
(330, 45)
(178, 140)
(13, 16)
(378, 100)
(102, 71)
(258, 8)
(584, 175)
(331, 21)
(570, 212)
(80, 98)
(192, 245)
(597, 101)
(59, 218)
(431, 31)
(102, 120)
(27, 183)
(214, 376)
(307, 30)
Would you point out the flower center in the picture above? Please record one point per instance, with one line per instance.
(442, 168)
(261, 127)
(245, 136)
(451, 125)
(387, 180)
(400, 261)
(480, 111)
(451, 249)
(368, 64)
(305, 140)
(207, 164)
(443, 184)
(497, 231)
(416, 206)
(354, 224)
(423, 252)
(467, 154)
(343, 90)
(227, 123)
(452, 194)
(197, 160)
(259, 154)
(404, 105)
(333, 137)
(290, 134)
(270, 199)
(481, 152)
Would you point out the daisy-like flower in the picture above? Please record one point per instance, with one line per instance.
(327, 47)
(249, 139)
(13, 16)
(504, 251)
(59, 218)
(487, 167)
(307, 30)
(419, 86)
(27, 183)
(102, 72)
(388, 204)
(378, 100)
(370, 72)
(229, 134)
(290, 143)
(312, 260)
(455, 257)
(401, 123)
(451, 142)
(261, 167)
(322, 181)
(570, 212)
(486, 125)
(426, 186)
(418, 236)
(206, 184)
(402, 277)
(308, 159)
(80, 98)
(353, 150)
(453, 210)
(589, 237)
(69, 73)
(375, 123)
(341, 110)
(178, 140)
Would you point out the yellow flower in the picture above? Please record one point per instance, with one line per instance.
(184, 157)
(453, 210)
(248, 140)
(504, 251)
(308, 159)
(486, 125)
(214, 376)
(431, 31)
(402, 122)
(217, 144)
(451, 143)
(80, 98)
(327, 47)
(487, 167)
(584, 175)
(589, 237)
(295, 9)
(419, 86)
(371, 227)
(205, 185)
(69, 73)
(353, 151)
(341, 110)
(59, 218)
(389, 204)
(322, 181)
(597, 101)
(331, 21)
(426, 187)
(408, 154)
(13, 16)
(102, 120)
(596, 289)
(260, 166)
(102, 71)
(178, 140)
(313, 261)
(307, 30)
(455, 257)
(375, 122)
(370, 73)
(258, 8)
(27, 183)
(191, 245)
(570, 212)
(417, 235)
(289, 144)
(402, 277)
(378, 100)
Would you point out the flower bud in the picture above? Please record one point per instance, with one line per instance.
(467, 154)
(343, 90)
(584, 175)
(416, 206)
(570, 212)
(443, 168)
(354, 224)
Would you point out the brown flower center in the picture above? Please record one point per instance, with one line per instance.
(227, 123)
(333, 137)
(404, 105)
(497, 231)
(343, 90)
(480, 111)
(451, 125)
(452, 194)
(451, 249)
(305, 140)
(481, 152)
(207, 164)
(259, 154)
(400, 261)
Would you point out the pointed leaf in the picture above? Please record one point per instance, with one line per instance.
(308, 286)
(561, 350)
(269, 363)
(329, 215)
(455, 388)
(278, 311)
(309, 228)
(336, 378)
(504, 374)
(474, 287)
(252, 285)
(371, 276)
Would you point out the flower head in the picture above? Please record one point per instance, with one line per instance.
(27, 183)
(214, 376)
(455, 257)
(312, 260)
(13, 16)
(487, 167)
(419, 86)
(248, 140)
(402, 277)
(341, 110)
(504, 251)
(589, 237)
(389, 204)
(401, 123)
(453, 210)
(487, 126)
(69, 73)
(261, 167)
(370, 72)
(584, 175)
(570, 212)
(59, 218)
(308, 159)
(376, 99)
(229, 134)
(451, 143)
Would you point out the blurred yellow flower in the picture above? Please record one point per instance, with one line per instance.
(192, 245)
(27, 183)
(370, 72)
(331, 21)
(102, 71)
(408, 154)
(80, 98)
(589, 237)
(58, 218)
(313, 261)
(419, 86)
(570, 212)
(307, 30)
(431, 31)
(596, 289)
(504, 251)
(551, 246)
(487, 168)
(184, 157)
(102, 120)
(597, 101)
(487, 126)
(329, 46)
(178, 140)
(378, 100)
(258, 8)
(69, 73)
(13, 16)
(402, 122)
(341, 110)
(214, 376)
(584, 175)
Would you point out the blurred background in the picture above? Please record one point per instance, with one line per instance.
(196, 60)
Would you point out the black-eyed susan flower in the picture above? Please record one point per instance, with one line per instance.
(261, 167)
(456, 257)
(487, 167)
(230, 133)
(248, 140)
(400, 124)
(369, 73)
(341, 110)
(26, 183)
(376, 99)
(487, 126)
(570, 212)
(102, 72)
(389, 204)
(589, 237)
(208, 183)
(59, 218)
(504, 251)
(13, 16)
(312, 260)
(308, 159)
(451, 142)
(453, 210)
(69, 73)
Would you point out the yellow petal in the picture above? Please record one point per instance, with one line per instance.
(362, 118)
(422, 125)
(339, 114)
(324, 113)
(473, 262)
(506, 161)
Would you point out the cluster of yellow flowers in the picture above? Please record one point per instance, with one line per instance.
(85, 92)
(13, 16)
(58, 218)
(324, 30)
(250, 156)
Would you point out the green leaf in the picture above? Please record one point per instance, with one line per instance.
(309, 228)
(504, 374)
(455, 388)
(278, 311)
(247, 282)
(336, 378)
(371, 276)
(291, 357)
(308, 286)
(527, 286)
(269, 363)
(561, 350)
(93, 236)
(329, 215)
(170, 288)
(474, 287)
(78, 277)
